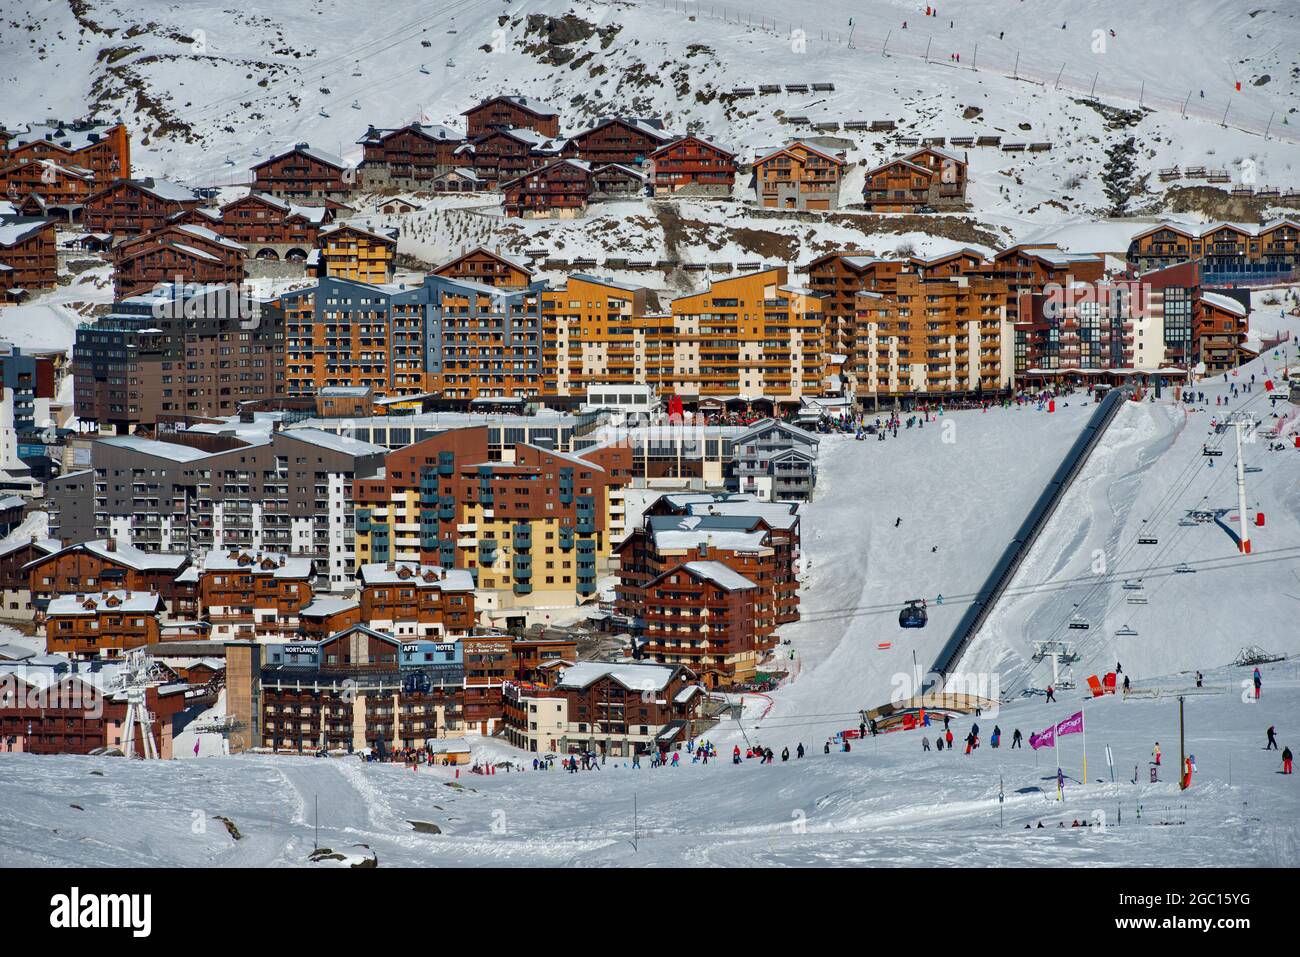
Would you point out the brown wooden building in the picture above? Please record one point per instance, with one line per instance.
(103, 565)
(489, 267)
(511, 111)
(306, 174)
(188, 254)
(248, 594)
(692, 166)
(559, 190)
(29, 257)
(410, 157)
(130, 207)
(105, 624)
(625, 141)
(500, 155)
(54, 186)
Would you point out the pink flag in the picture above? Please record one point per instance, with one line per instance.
(1043, 739)
(1071, 725)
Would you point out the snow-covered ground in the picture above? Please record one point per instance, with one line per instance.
(887, 802)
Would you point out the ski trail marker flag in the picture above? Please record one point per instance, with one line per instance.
(1047, 738)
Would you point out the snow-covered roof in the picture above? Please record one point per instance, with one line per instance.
(413, 573)
(634, 677)
(163, 450)
(126, 554)
(719, 574)
(1227, 303)
(61, 135)
(202, 232)
(328, 606)
(728, 532)
(335, 443)
(256, 562)
(47, 545)
(534, 106)
(15, 231)
(783, 515)
(323, 156)
(117, 600)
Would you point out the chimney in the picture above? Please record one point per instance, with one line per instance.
(112, 544)
(392, 566)
(281, 561)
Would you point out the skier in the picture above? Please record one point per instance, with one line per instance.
(785, 754)
(862, 729)
(970, 742)
(1258, 682)
(1126, 686)
(997, 735)
(735, 755)
(1272, 739)
(798, 752)
(1156, 752)
(925, 744)
(636, 759)
(1199, 680)
(938, 743)
(898, 521)
(947, 736)
(1051, 695)
(874, 730)
(847, 747)
(1286, 760)
(827, 748)
(1119, 669)
(1016, 739)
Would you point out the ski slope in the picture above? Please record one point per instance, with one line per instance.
(1148, 472)
(886, 803)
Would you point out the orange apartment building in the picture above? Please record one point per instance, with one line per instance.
(751, 335)
(596, 334)
(102, 625)
(799, 176)
(692, 166)
(347, 334)
(254, 595)
(924, 337)
(351, 252)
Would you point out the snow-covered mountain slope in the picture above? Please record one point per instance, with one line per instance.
(887, 802)
(203, 84)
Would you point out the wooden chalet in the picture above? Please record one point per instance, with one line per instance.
(102, 148)
(519, 112)
(29, 256)
(692, 166)
(130, 207)
(558, 190)
(410, 157)
(192, 254)
(348, 251)
(60, 188)
(489, 267)
(798, 176)
(500, 155)
(627, 142)
(304, 173)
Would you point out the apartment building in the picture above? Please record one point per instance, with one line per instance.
(176, 255)
(305, 174)
(130, 207)
(534, 531)
(612, 709)
(692, 166)
(28, 256)
(102, 625)
(182, 353)
(284, 491)
(255, 595)
(415, 601)
(933, 337)
(752, 335)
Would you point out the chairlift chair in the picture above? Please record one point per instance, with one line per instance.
(1079, 623)
(1126, 632)
(1184, 569)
